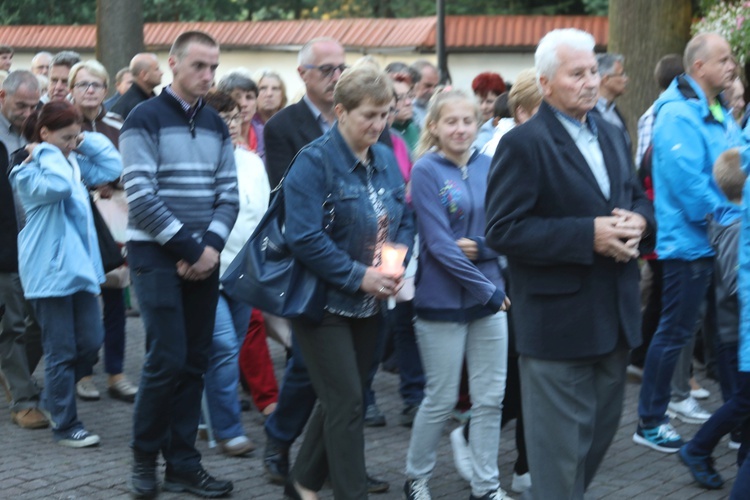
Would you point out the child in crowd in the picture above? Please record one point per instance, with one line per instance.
(725, 232)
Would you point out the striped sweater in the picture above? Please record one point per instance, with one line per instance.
(180, 177)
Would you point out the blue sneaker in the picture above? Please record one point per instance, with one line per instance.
(660, 438)
(702, 469)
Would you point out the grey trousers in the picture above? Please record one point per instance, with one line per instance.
(19, 331)
(571, 412)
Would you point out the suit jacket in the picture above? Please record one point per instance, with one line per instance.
(288, 131)
(129, 100)
(569, 302)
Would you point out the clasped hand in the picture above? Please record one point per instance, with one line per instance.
(202, 269)
(619, 235)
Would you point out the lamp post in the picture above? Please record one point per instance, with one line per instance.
(442, 56)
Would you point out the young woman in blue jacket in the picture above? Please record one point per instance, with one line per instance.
(59, 261)
(459, 299)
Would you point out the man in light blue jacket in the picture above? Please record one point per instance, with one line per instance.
(693, 126)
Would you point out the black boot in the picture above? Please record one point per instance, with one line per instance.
(198, 482)
(143, 482)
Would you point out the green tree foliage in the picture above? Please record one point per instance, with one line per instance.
(84, 11)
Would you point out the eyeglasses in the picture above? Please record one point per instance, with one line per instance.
(327, 70)
(87, 85)
(411, 96)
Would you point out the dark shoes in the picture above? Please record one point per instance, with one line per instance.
(142, 481)
(408, 414)
(375, 485)
(702, 469)
(198, 482)
(374, 417)
(276, 462)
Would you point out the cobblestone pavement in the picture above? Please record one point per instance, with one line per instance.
(33, 467)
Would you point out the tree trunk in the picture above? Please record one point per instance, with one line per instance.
(644, 31)
(119, 34)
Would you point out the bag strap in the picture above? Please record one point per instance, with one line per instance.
(327, 203)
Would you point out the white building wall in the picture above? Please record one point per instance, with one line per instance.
(463, 67)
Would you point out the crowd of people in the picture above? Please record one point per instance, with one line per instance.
(544, 262)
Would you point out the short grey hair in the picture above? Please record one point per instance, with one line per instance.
(17, 79)
(546, 58)
(607, 62)
(305, 55)
(67, 58)
(237, 80)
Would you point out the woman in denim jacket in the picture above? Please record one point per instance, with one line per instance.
(362, 208)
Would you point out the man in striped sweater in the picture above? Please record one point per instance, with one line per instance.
(181, 184)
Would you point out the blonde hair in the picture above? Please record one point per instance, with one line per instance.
(360, 83)
(427, 140)
(92, 66)
(525, 92)
(269, 73)
(728, 174)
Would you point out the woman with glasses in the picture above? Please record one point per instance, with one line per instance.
(232, 318)
(88, 82)
(61, 267)
(404, 120)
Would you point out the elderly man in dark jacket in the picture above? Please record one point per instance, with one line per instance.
(564, 206)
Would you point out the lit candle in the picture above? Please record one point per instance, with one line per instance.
(392, 257)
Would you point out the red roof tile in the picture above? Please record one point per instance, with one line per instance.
(463, 33)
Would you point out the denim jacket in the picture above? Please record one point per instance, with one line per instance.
(339, 243)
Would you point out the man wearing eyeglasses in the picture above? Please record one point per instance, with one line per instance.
(321, 62)
(614, 82)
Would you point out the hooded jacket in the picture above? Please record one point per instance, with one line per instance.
(687, 140)
(724, 234)
(449, 205)
(58, 248)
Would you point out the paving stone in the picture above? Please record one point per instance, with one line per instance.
(32, 466)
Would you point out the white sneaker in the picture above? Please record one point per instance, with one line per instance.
(461, 453)
(416, 489)
(521, 483)
(688, 410)
(700, 393)
(86, 390)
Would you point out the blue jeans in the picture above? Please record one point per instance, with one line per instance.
(296, 401)
(223, 375)
(72, 334)
(179, 317)
(114, 331)
(685, 284)
(411, 384)
(726, 419)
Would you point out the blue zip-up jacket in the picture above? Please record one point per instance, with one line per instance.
(341, 254)
(58, 248)
(449, 204)
(687, 140)
(743, 278)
